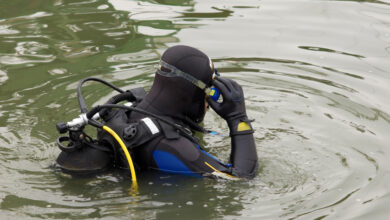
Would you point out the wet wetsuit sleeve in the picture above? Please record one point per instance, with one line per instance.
(244, 156)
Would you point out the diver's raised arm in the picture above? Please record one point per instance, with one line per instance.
(243, 154)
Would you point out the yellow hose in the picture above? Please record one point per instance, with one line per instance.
(129, 160)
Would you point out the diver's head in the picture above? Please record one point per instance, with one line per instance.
(182, 80)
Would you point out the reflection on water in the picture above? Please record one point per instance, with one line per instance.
(315, 76)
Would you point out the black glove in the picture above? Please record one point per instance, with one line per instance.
(232, 109)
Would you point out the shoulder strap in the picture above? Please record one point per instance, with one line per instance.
(141, 131)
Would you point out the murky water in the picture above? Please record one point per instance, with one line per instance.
(316, 76)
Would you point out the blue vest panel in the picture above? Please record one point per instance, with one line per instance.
(169, 163)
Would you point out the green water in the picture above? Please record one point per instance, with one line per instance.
(316, 78)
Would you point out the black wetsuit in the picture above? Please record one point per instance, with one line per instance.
(178, 154)
(181, 99)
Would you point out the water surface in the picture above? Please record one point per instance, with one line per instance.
(315, 76)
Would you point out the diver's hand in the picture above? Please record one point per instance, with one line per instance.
(232, 108)
(233, 105)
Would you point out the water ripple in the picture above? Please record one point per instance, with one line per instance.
(315, 77)
(3, 76)
(28, 52)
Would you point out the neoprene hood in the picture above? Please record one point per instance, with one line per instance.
(175, 95)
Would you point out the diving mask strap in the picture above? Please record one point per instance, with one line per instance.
(175, 72)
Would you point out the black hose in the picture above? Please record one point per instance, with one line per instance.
(177, 127)
(121, 97)
(83, 106)
(116, 99)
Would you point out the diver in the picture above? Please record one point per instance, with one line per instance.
(158, 126)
